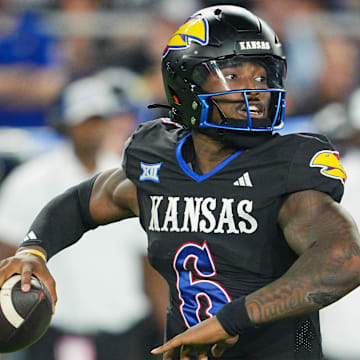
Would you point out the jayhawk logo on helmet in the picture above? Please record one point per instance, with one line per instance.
(329, 161)
(195, 29)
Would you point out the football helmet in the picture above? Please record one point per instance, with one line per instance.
(224, 68)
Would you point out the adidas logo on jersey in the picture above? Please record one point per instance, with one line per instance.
(30, 236)
(243, 180)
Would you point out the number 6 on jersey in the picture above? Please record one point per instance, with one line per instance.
(190, 290)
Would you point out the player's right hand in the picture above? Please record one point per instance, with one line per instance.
(195, 340)
(27, 264)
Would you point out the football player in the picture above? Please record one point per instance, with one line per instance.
(244, 224)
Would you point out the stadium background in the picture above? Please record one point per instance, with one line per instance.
(124, 40)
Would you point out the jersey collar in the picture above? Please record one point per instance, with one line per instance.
(186, 168)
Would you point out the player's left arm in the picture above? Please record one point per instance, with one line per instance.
(327, 241)
(328, 244)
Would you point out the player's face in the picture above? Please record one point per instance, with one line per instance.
(246, 75)
(89, 134)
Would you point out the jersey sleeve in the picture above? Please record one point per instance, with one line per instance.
(148, 147)
(316, 166)
(133, 149)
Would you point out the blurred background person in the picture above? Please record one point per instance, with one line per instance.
(103, 311)
(32, 73)
(31, 69)
(122, 80)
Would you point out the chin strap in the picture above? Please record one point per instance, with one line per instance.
(222, 115)
(155, 106)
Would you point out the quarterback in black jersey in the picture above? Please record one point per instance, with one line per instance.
(243, 223)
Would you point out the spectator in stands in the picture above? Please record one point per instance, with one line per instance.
(121, 126)
(31, 70)
(110, 326)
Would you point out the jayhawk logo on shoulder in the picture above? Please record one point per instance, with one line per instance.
(329, 162)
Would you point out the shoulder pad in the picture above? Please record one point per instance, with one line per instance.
(316, 165)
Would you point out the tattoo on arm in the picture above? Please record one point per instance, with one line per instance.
(322, 298)
(328, 266)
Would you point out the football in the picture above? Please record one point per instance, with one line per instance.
(24, 317)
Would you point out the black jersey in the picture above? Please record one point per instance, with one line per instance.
(215, 237)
